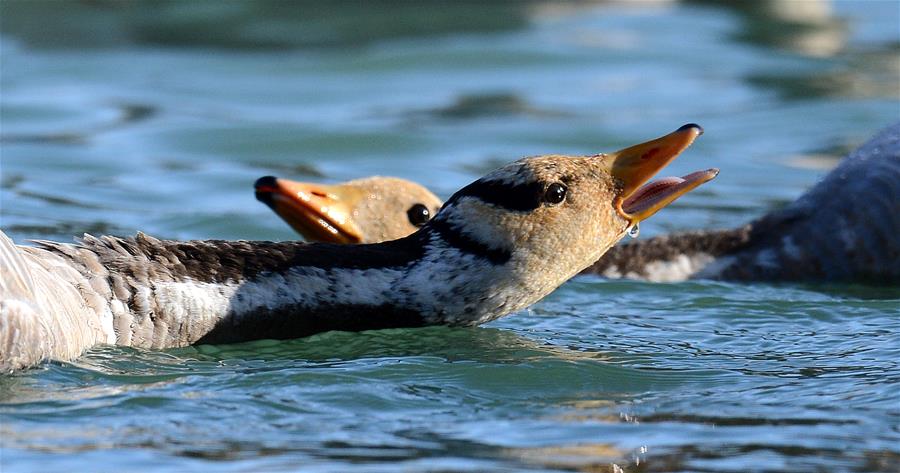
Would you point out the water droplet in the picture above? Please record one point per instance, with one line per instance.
(633, 230)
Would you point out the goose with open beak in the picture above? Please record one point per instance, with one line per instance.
(496, 246)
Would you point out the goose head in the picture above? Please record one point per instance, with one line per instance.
(366, 210)
(548, 217)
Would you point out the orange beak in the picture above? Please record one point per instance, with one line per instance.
(635, 165)
(318, 212)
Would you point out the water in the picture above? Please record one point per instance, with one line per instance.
(118, 117)
(633, 231)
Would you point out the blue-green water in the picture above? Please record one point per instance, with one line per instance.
(121, 116)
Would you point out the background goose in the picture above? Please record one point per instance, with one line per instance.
(497, 246)
(369, 210)
(845, 228)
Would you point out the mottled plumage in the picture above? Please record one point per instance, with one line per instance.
(481, 257)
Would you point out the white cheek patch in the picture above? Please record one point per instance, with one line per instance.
(479, 221)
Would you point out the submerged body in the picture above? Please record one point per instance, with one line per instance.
(497, 246)
(846, 228)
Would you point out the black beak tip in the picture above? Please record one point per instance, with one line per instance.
(265, 197)
(265, 181)
(692, 125)
(264, 187)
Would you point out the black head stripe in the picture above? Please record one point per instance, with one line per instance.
(515, 197)
(453, 237)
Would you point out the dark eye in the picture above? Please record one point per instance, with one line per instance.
(555, 194)
(418, 214)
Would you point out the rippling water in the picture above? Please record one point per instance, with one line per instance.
(118, 117)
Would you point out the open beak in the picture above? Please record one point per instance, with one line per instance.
(635, 165)
(318, 212)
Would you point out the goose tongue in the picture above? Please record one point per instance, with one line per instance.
(635, 165)
(655, 195)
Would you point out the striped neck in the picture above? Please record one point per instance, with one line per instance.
(169, 293)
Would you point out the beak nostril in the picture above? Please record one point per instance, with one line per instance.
(649, 154)
(319, 194)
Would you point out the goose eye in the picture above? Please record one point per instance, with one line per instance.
(555, 194)
(418, 214)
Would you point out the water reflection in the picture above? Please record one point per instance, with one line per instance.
(860, 75)
(248, 24)
(588, 457)
(473, 106)
(807, 27)
(813, 29)
(292, 170)
(276, 397)
(447, 343)
(125, 115)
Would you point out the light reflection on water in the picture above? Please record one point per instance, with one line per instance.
(163, 122)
